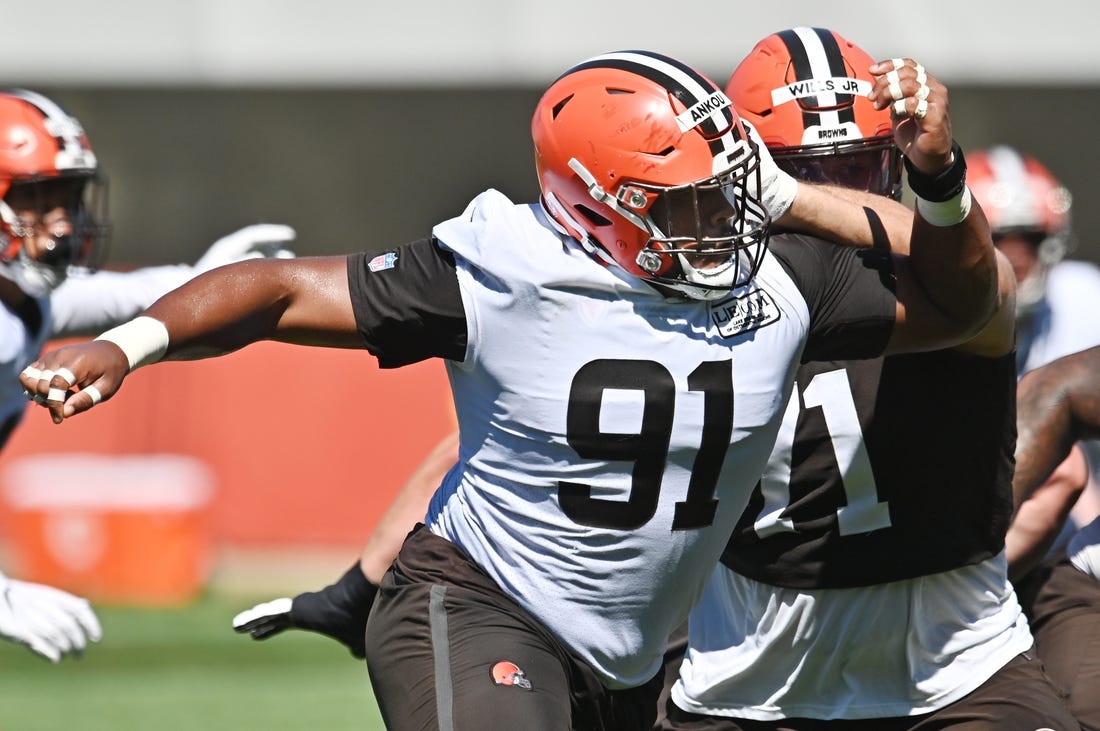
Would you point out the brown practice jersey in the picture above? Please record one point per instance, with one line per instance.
(885, 469)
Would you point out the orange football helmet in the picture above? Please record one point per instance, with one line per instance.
(1022, 198)
(46, 162)
(805, 91)
(644, 161)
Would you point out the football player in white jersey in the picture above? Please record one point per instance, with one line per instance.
(1030, 215)
(1059, 404)
(1029, 212)
(866, 586)
(619, 354)
(52, 224)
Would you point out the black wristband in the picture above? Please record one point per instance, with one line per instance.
(944, 185)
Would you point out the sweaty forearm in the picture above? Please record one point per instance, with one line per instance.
(296, 301)
(851, 217)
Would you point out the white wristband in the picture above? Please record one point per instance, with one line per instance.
(945, 213)
(144, 340)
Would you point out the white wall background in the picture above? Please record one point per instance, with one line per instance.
(360, 122)
(512, 42)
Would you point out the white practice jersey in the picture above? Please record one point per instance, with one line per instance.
(898, 649)
(610, 437)
(1064, 321)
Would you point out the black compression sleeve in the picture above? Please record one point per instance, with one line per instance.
(407, 304)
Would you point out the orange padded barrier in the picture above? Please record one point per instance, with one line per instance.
(305, 445)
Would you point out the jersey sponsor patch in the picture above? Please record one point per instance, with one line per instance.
(383, 262)
(744, 313)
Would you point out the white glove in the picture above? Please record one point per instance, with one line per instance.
(1084, 549)
(339, 611)
(261, 240)
(51, 622)
(777, 187)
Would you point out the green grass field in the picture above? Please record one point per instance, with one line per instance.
(185, 669)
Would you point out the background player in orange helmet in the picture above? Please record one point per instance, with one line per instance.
(53, 233)
(1030, 215)
(1058, 404)
(808, 103)
(866, 586)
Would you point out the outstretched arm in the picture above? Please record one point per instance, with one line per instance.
(304, 301)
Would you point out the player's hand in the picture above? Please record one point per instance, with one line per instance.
(51, 622)
(261, 240)
(918, 102)
(1084, 549)
(73, 379)
(338, 611)
(777, 187)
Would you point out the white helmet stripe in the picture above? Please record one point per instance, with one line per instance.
(72, 153)
(819, 69)
(686, 84)
(711, 110)
(1009, 171)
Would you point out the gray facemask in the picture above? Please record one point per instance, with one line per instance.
(34, 278)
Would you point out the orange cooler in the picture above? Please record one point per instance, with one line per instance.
(122, 529)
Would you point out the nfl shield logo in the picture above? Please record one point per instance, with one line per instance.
(383, 261)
